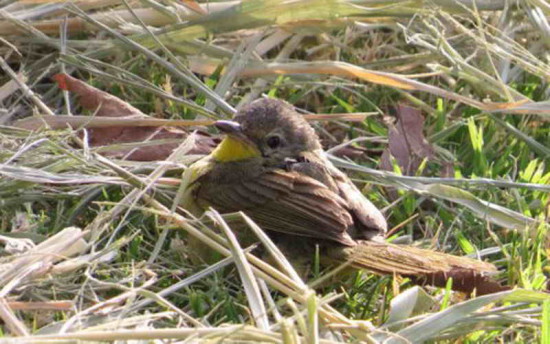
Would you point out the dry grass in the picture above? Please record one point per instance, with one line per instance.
(94, 249)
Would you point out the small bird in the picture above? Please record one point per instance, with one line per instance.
(271, 166)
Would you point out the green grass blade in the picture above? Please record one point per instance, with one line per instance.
(430, 327)
(545, 333)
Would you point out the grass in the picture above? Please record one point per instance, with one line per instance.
(480, 79)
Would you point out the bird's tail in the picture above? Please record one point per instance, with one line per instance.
(425, 266)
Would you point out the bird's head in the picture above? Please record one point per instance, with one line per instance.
(267, 128)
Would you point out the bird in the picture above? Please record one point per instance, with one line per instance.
(271, 166)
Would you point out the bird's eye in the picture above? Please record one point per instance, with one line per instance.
(273, 142)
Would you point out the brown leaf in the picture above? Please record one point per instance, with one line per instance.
(104, 104)
(93, 99)
(407, 143)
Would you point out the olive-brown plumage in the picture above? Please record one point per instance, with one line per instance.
(290, 187)
(271, 166)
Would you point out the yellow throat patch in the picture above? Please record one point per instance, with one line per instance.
(233, 149)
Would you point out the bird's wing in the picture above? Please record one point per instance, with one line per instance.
(285, 202)
(369, 221)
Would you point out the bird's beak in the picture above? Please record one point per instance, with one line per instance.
(228, 127)
(232, 129)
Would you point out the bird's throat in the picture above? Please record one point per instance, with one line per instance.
(235, 149)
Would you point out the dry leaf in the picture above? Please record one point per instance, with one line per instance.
(407, 143)
(104, 104)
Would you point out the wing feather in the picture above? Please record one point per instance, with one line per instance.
(285, 202)
(369, 221)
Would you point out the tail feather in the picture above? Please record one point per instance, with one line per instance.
(425, 266)
(408, 260)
